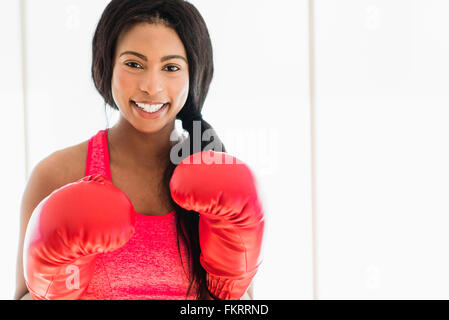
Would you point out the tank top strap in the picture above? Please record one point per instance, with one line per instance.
(97, 161)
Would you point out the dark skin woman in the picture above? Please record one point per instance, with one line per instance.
(152, 61)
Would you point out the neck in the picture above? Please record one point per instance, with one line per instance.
(132, 148)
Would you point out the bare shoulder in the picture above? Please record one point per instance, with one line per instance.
(62, 166)
(70, 162)
(56, 170)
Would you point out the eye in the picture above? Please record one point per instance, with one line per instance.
(172, 66)
(134, 63)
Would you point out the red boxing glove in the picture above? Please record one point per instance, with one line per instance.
(231, 218)
(67, 230)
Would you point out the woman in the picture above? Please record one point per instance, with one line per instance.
(152, 61)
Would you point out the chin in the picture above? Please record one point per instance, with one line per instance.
(156, 127)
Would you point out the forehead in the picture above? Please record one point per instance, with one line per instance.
(154, 38)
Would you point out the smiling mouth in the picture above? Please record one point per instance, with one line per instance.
(153, 108)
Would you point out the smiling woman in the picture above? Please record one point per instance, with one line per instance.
(140, 225)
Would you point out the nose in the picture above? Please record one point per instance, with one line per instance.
(151, 83)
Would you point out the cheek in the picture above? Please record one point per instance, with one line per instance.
(120, 82)
(180, 89)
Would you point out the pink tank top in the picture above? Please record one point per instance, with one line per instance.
(149, 265)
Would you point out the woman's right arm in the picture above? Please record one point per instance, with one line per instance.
(42, 181)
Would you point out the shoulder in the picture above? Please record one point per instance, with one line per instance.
(54, 171)
(63, 166)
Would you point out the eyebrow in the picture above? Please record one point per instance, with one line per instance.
(164, 58)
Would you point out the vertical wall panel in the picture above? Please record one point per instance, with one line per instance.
(12, 159)
(259, 104)
(381, 141)
(64, 107)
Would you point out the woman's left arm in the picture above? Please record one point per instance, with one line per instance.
(231, 219)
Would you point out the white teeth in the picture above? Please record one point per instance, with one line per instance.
(148, 107)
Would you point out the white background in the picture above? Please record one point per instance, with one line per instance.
(340, 107)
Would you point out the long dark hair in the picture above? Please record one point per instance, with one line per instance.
(184, 18)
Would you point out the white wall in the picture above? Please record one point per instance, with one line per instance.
(258, 102)
(12, 159)
(351, 164)
(381, 133)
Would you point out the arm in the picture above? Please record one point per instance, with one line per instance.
(41, 249)
(40, 184)
(67, 230)
(231, 220)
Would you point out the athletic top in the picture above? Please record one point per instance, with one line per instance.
(148, 266)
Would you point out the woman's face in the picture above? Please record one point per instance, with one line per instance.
(150, 67)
